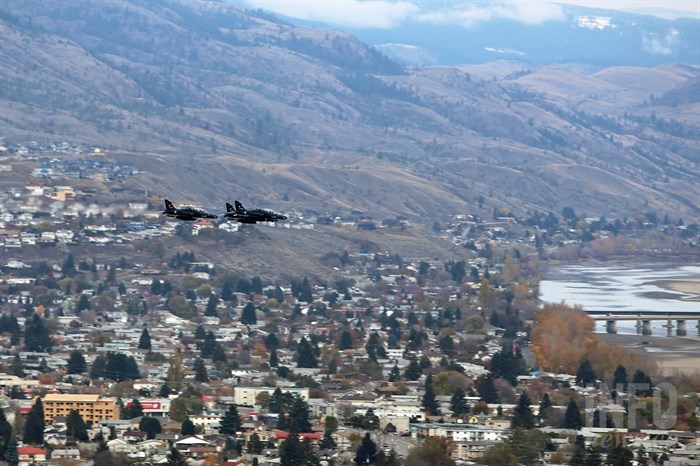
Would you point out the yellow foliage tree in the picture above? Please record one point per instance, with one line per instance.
(560, 337)
(563, 336)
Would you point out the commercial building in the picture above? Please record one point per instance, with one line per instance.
(92, 408)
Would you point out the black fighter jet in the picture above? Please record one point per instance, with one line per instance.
(240, 214)
(188, 212)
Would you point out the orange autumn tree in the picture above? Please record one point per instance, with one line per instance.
(561, 337)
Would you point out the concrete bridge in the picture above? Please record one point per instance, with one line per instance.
(644, 320)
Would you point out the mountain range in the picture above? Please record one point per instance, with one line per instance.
(445, 33)
(215, 103)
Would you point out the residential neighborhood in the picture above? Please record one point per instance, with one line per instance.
(113, 355)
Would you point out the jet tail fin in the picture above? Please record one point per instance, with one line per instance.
(229, 208)
(239, 208)
(169, 206)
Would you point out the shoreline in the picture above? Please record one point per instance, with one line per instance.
(673, 355)
(686, 285)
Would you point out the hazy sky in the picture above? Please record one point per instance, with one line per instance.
(387, 13)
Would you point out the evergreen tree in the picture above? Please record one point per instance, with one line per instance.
(76, 363)
(75, 426)
(200, 371)
(248, 316)
(255, 445)
(593, 456)
(429, 403)
(230, 421)
(620, 378)
(175, 373)
(212, 304)
(175, 458)
(413, 371)
(522, 415)
(43, 366)
(394, 374)
(68, 269)
(327, 441)
(370, 421)
(145, 340)
(345, 341)
(115, 366)
(299, 416)
(619, 455)
(83, 303)
(487, 389)
(578, 456)
(11, 455)
(507, 365)
(272, 342)
(34, 424)
(572, 417)
(135, 409)
(305, 355)
(366, 452)
(164, 390)
(219, 355)
(209, 345)
(273, 362)
(5, 434)
(642, 383)
(156, 287)
(256, 285)
(372, 346)
(36, 336)
(447, 345)
(151, 426)
(333, 365)
(188, 427)
(458, 404)
(545, 406)
(585, 375)
(18, 366)
(279, 401)
(329, 427)
(200, 333)
(294, 452)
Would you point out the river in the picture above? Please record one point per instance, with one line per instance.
(615, 286)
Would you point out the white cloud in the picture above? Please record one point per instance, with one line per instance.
(663, 8)
(352, 13)
(386, 14)
(469, 15)
(661, 45)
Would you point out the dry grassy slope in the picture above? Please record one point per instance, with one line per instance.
(283, 253)
(214, 104)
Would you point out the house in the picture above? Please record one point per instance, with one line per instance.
(65, 453)
(29, 455)
(195, 447)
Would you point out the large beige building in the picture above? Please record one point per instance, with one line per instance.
(92, 408)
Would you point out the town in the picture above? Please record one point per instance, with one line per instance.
(148, 355)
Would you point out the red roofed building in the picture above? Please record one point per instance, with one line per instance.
(29, 455)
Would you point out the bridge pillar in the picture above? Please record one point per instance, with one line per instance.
(669, 328)
(611, 326)
(646, 327)
(680, 328)
(638, 327)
